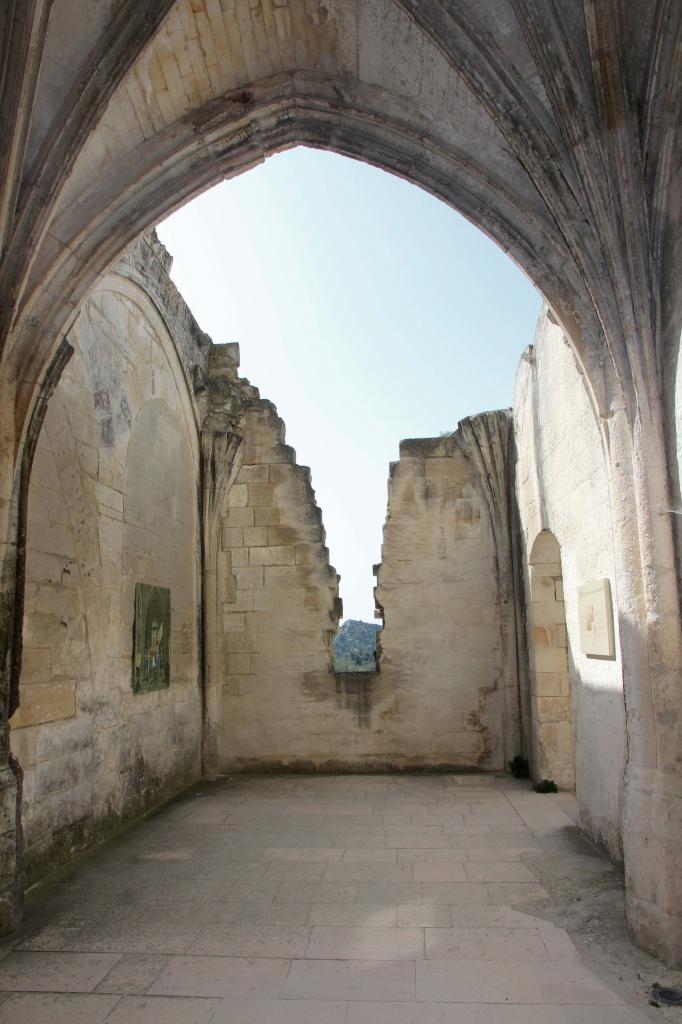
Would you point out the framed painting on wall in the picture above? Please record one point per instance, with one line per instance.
(595, 616)
(151, 665)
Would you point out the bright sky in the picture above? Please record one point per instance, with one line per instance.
(366, 310)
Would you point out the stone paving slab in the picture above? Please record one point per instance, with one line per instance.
(318, 900)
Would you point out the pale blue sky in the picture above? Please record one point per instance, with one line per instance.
(366, 310)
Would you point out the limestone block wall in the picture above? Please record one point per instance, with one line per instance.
(279, 603)
(112, 501)
(563, 487)
(438, 699)
(437, 588)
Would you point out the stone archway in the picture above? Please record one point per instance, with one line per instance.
(552, 726)
(551, 129)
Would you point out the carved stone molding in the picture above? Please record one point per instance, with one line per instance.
(487, 442)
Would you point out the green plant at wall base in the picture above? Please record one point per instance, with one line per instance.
(545, 786)
(518, 766)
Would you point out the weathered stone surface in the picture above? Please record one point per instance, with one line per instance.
(562, 482)
(438, 592)
(267, 716)
(108, 508)
(554, 127)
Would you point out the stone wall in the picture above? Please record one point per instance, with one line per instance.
(437, 588)
(438, 700)
(112, 501)
(156, 118)
(563, 487)
(278, 597)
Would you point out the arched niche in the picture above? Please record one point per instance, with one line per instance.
(552, 725)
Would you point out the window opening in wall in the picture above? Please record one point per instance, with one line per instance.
(355, 646)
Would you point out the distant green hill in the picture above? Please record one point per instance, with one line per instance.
(354, 646)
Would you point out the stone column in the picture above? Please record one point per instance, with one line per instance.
(15, 474)
(219, 450)
(222, 397)
(11, 846)
(648, 605)
(487, 442)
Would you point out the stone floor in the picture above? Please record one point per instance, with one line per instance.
(333, 900)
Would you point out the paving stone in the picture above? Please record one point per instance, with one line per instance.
(520, 944)
(359, 872)
(49, 1008)
(471, 982)
(515, 892)
(137, 937)
(492, 917)
(283, 1011)
(423, 915)
(303, 853)
(54, 937)
(273, 913)
(447, 856)
(455, 893)
(252, 940)
(601, 1015)
(222, 976)
(442, 871)
(388, 892)
(163, 1010)
(370, 855)
(498, 872)
(417, 1013)
(132, 974)
(413, 841)
(274, 921)
(351, 914)
(366, 943)
(527, 1015)
(495, 853)
(297, 871)
(54, 972)
(570, 984)
(360, 979)
(559, 945)
(317, 892)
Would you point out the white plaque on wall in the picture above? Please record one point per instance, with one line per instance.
(596, 619)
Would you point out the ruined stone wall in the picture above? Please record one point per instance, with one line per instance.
(438, 700)
(278, 597)
(438, 589)
(112, 502)
(563, 487)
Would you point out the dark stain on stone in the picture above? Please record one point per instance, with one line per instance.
(354, 690)
(475, 722)
(126, 414)
(350, 691)
(318, 17)
(106, 432)
(305, 766)
(102, 401)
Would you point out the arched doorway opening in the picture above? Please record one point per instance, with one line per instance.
(552, 724)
